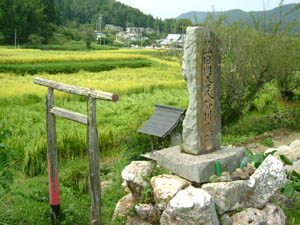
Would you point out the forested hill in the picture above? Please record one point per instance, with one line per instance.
(113, 12)
(292, 12)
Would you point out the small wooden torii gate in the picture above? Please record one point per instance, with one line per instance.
(90, 121)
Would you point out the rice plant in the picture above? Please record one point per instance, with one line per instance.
(139, 89)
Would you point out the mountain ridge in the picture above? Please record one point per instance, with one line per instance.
(238, 15)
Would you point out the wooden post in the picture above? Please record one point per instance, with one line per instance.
(52, 159)
(159, 142)
(94, 175)
(152, 143)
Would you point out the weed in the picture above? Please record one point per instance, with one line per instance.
(267, 142)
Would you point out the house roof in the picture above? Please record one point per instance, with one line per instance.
(174, 37)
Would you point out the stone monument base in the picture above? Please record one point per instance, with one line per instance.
(198, 168)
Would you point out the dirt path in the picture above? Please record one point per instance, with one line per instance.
(279, 137)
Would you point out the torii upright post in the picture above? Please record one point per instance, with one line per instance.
(52, 159)
(94, 177)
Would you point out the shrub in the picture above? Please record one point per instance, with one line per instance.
(35, 39)
(266, 96)
(287, 118)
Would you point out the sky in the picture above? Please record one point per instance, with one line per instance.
(172, 8)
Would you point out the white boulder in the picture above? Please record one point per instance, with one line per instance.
(283, 148)
(165, 187)
(295, 144)
(250, 216)
(275, 215)
(226, 220)
(266, 180)
(192, 206)
(148, 213)
(134, 175)
(123, 206)
(293, 155)
(295, 166)
(135, 220)
(228, 196)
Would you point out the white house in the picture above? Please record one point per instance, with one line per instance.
(172, 40)
(174, 37)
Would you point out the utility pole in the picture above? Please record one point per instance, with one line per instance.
(99, 25)
(127, 30)
(100, 21)
(15, 38)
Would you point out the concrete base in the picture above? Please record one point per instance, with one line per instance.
(198, 168)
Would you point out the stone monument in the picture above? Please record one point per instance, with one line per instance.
(201, 70)
(196, 158)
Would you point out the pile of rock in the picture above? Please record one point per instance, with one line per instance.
(292, 152)
(177, 201)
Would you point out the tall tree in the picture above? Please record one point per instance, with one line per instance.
(49, 10)
(26, 16)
